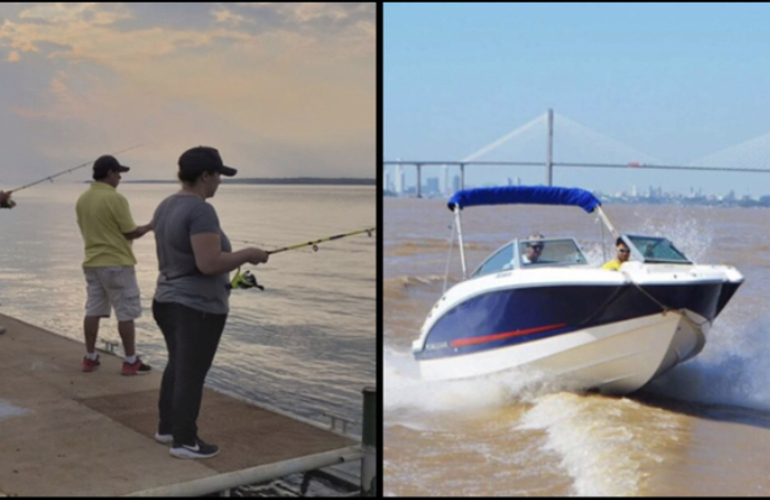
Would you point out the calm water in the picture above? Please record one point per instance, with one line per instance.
(306, 345)
(702, 430)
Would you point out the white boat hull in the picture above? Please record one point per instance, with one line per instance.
(615, 358)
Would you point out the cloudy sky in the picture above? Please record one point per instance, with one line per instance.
(282, 90)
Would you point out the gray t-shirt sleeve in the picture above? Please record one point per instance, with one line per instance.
(203, 219)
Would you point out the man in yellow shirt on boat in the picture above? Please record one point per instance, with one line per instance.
(623, 253)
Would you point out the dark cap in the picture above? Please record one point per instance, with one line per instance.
(202, 158)
(106, 163)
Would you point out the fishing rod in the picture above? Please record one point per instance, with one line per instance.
(248, 280)
(368, 231)
(313, 243)
(51, 177)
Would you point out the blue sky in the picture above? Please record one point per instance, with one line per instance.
(282, 90)
(666, 84)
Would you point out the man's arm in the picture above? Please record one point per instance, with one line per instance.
(123, 219)
(210, 259)
(138, 232)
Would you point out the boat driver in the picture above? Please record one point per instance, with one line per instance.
(534, 248)
(623, 252)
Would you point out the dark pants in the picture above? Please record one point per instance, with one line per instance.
(192, 337)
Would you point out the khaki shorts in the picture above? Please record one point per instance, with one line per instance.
(112, 287)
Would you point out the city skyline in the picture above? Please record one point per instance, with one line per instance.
(408, 178)
(432, 187)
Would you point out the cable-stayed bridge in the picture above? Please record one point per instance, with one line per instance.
(585, 148)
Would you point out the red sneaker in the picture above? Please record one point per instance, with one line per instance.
(90, 365)
(135, 368)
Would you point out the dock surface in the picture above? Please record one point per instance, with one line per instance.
(64, 432)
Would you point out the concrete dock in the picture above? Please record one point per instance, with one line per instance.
(68, 433)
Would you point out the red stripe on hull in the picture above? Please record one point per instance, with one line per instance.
(499, 336)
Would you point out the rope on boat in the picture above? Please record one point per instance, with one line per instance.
(449, 257)
(664, 307)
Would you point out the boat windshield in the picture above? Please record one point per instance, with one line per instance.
(656, 249)
(517, 254)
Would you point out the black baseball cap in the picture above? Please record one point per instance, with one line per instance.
(203, 158)
(106, 163)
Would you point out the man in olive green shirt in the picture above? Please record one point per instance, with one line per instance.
(108, 229)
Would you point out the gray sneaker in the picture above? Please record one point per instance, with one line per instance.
(198, 449)
(164, 438)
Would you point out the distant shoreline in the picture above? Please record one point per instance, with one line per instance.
(342, 181)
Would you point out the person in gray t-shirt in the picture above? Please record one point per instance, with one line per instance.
(191, 299)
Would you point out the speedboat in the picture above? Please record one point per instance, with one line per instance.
(566, 318)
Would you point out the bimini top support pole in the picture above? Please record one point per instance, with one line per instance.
(606, 221)
(460, 237)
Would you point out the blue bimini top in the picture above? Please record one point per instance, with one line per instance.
(532, 195)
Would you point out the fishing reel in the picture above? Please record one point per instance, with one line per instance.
(245, 280)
